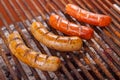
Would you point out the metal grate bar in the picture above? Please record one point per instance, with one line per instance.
(117, 2)
(2, 76)
(3, 55)
(110, 4)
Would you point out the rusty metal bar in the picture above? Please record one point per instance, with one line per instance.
(99, 63)
(111, 65)
(72, 67)
(32, 12)
(117, 2)
(66, 72)
(110, 4)
(2, 76)
(112, 35)
(27, 14)
(85, 71)
(40, 11)
(37, 8)
(3, 55)
(105, 47)
(93, 68)
(81, 4)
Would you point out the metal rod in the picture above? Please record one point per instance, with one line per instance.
(2, 76)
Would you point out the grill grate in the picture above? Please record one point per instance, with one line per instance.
(98, 59)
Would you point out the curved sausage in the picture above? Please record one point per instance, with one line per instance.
(69, 28)
(30, 57)
(53, 41)
(87, 17)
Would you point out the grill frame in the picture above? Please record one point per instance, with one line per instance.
(106, 63)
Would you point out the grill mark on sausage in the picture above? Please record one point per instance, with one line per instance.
(27, 52)
(69, 40)
(59, 21)
(68, 26)
(41, 63)
(57, 38)
(36, 57)
(15, 38)
(46, 33)
(47, 57)
(37, 29)
(19, 45)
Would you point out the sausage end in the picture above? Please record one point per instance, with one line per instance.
(105, 21)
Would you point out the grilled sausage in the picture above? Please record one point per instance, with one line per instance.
(60, 43)
(69, 28)
(30, 57)
(87, 17)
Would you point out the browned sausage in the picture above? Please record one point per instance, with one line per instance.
(87, 17)
(30, 57)
(69, 28)
(53, 41)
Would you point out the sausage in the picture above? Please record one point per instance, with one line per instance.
(30, 57)
(60, 43)
(87, 17)
(70, 28)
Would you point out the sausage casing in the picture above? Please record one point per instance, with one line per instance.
(30, 57)
(60, 43)
(70, 28)
(86, 16)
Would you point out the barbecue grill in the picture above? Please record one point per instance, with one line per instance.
(98, 58)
